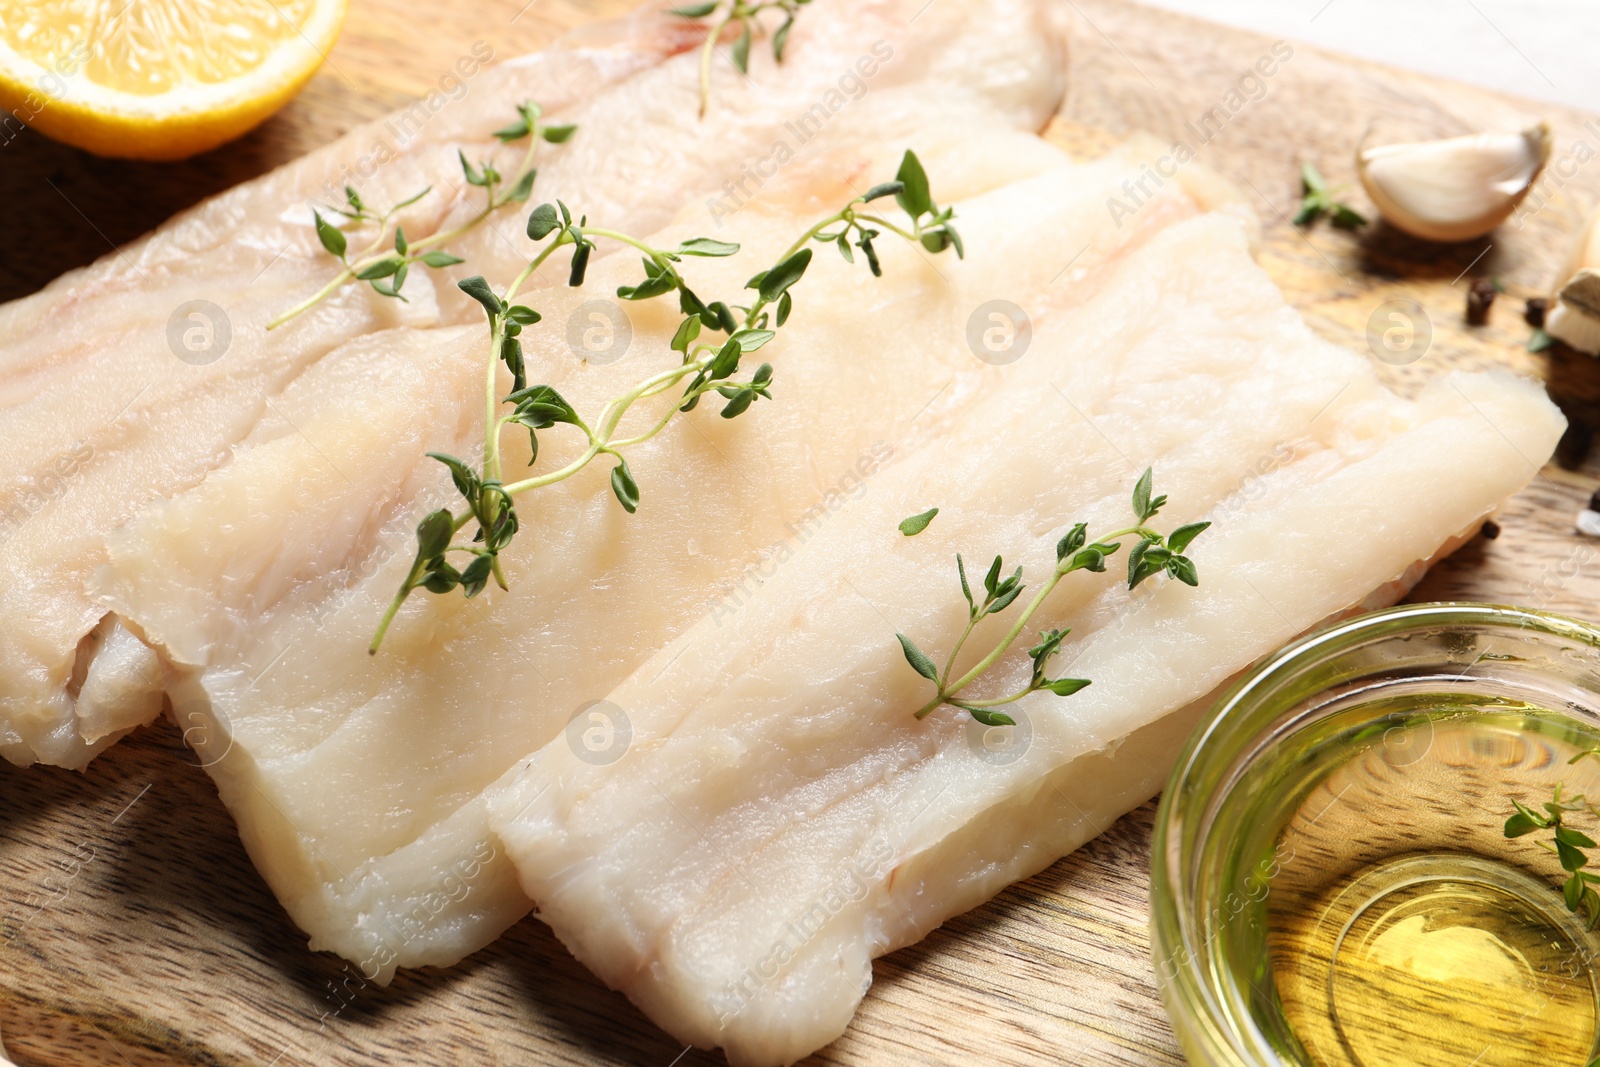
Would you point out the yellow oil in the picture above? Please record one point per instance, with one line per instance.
(1402, 929)
(1443, 959)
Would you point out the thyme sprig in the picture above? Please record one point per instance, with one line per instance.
(1152, 554)
(385, 270)
(1317, 200)
(707, 365)
(746, 13)
(1567, 844)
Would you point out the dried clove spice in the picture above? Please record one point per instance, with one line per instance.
(1480, 298)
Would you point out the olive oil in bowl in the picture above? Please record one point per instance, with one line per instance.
(1408, 930)
(1334, 881)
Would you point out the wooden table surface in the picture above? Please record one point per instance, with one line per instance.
(134, 930)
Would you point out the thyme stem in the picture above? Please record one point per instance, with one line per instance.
(706, 51)
(746, 14)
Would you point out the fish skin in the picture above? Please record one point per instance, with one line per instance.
(253, 252)
(295, 718)
(780, 817)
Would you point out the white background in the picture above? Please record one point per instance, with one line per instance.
(1544, 49)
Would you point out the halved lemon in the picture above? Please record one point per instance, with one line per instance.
(156, 79)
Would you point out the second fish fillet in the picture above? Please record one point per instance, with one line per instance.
(780, 817)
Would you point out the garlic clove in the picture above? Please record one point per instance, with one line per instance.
(1455, 189)
(1575, 316)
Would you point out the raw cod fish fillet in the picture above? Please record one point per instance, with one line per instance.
(780, 817)
(82, 463)
(358, 782)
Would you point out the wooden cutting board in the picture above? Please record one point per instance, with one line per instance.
(133, 929)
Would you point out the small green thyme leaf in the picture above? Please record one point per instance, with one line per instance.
(1348, 218)
(776, 282)
(918, 659)
(434, 533)
(542, 221)
(520, 192)
(780, 40)
(1518, 825)
(727, 361)
(705, 246)
(442, 578)
(1311, 180)
(660, 285)
(522, 315)
(987, 716)
(466, 479)
(625, 488)
(543, 407)
(1071, 541)
(381, 269)
(914, 197)
(688, 330)
(1006, 592)
(1538, 820)
(917, 523)
(580, 263)
(883, 189)
(332, 238)
(476, 575)
(1141, 494)
(478, 288)
(1183, 536)
(751, 340)
(1575, 838)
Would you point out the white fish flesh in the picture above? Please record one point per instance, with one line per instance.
(780, 817)
(358, 781)
(171, 399)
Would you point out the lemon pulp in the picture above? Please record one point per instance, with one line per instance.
(157, 79)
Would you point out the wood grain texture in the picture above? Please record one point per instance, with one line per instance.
(133, 930)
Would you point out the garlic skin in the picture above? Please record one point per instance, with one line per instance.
(1455, 189)
(1574, 312)
(1575, 316)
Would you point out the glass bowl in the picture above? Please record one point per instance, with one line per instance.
(1333, 883)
